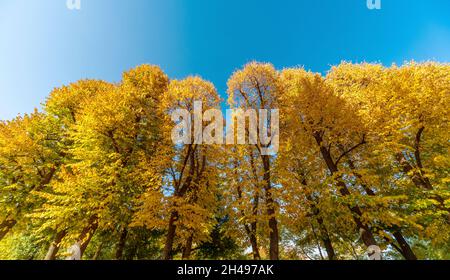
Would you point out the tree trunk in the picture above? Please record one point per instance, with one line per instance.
(251, 233)
(405, 249)
(255, 248)
(404, 246)
(270, 204)
(422, 174)
(132, 253)
(180, 191)
(188, 248)
(252, 228)
(416, 177)
(86, 235)
(6, 226)
(326, 239)
(121, 244)
(366, 234)
(97, 253)
(167, 253)
(418, 174)
(324, 235)
(54, 246)
(319, 248)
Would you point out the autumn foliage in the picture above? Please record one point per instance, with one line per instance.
(363, 161)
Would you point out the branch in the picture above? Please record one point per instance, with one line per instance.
(363, 141)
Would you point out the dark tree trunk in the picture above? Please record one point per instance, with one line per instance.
(407, 252)
(405, 249)
(167, 253)
(255, 248)
(324, 235)
(180, 191)
(54, 246)
(86, 235)
(326, 239)
(187, 250)
(252, 228)
(270, 204)
(319, 247)
(418, 175)
(132, 253)
(417, 155)
(251, 233)
(6, 226)
(366, 234)
(121, 244)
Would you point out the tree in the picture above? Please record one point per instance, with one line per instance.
(114, 141)
(338, 133)
(243, 181)
(402, 104)
(257, 87)
(29, 162)
(187, 191)
(139, 169)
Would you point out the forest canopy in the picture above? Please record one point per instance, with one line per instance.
(363, 163)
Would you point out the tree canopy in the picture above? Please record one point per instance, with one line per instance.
(363, 163)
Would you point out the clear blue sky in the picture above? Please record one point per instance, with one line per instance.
(45, 45)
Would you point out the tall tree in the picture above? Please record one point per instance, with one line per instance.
(189, 177)
(257, 87)
(113, 144)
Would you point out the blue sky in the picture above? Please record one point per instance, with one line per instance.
(45, 45)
